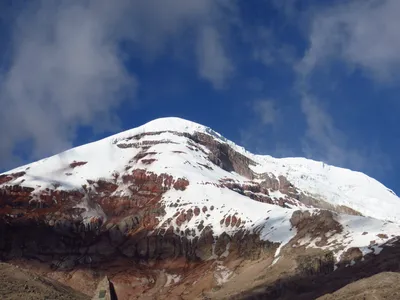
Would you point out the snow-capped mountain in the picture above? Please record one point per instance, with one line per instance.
(196, 194)
(171, 153)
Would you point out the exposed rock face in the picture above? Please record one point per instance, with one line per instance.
(261, 191)
(53, 227)
(230, 160)
(351, 256)
(316, 264)
(375, 277)
(9, 177)
(224, 156)
(315, 226)
(57, 226)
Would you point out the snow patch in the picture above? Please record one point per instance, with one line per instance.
(222, 274)
(172, 279)
(92, 210)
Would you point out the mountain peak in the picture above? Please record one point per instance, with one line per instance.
(190, 150)
(173, 123)
(172, 188)
(164, 124)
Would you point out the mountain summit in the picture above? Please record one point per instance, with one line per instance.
(174, 190)
(171, 145)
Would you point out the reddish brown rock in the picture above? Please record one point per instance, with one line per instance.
(8, 177)
(234, 220)
(181, 184)
(150, 221)
(5, 178)
(259, 191)
(148, 181)
(103, 186)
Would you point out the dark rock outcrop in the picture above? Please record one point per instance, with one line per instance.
(315, 225)
(320, 263)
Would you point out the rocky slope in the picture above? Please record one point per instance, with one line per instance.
(173, 204)
(17, 283)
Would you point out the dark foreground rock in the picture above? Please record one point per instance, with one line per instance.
(382, 286)
(315, 278)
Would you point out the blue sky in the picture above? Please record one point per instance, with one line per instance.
(309, 78)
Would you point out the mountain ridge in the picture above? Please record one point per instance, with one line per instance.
(294, 168)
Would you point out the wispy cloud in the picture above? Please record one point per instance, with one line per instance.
(265, 47)
(324, 141)
(66, 67)
(362, 34)
(65, 71)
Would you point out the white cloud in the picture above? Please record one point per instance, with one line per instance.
(362, 33)
(214, 65)
(67, 69)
